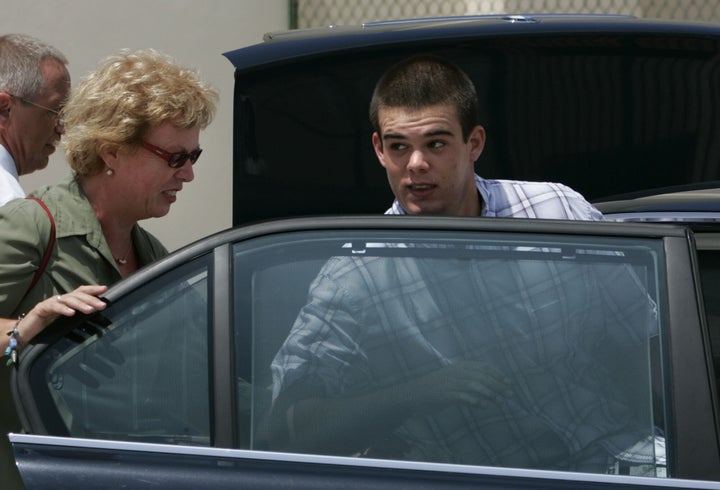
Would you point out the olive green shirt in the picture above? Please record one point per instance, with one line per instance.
(80, 256)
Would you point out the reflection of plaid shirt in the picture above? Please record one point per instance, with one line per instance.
(375, 322)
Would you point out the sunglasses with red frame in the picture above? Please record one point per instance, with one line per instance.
(174, 160)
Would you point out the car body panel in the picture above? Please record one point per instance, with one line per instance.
(44, 460)
(695, 449)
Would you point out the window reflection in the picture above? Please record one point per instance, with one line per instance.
(496, 350)
(139, 370)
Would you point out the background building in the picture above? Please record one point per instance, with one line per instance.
(319, 13)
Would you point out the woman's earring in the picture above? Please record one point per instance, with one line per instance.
(110, 172)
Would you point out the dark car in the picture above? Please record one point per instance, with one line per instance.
(172, 386)
(697, 207)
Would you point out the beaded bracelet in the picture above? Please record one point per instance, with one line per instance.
(13, 343)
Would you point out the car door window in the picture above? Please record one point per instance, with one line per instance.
(486, 349)
(137, 371)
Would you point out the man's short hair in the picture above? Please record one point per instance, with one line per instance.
(423, 81)
(20, 58)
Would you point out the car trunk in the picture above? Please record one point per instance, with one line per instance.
(604, 105)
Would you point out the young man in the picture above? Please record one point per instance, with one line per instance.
(419, 359)
(427, 137)
(34, 83)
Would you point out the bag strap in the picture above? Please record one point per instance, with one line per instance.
(50, 245)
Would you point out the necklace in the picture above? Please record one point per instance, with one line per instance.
(123, 260)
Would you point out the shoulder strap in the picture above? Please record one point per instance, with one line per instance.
(50, 245)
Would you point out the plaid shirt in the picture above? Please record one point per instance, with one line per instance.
(376, 322)
(516, 199)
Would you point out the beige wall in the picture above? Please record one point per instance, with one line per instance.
(193, 31)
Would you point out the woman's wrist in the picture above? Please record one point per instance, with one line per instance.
(14, 342)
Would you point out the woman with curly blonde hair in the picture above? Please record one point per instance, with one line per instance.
(131, 137)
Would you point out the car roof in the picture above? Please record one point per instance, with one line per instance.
(697, 206)
(297, 44)
(605, 104)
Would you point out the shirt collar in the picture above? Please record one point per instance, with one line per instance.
(7, 162)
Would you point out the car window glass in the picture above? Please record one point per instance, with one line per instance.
(138, 371)
(484, 349)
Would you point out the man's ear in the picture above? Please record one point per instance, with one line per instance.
(5, 104)
(378, 146)
(476, 142)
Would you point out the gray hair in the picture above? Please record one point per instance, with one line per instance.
(20, 57)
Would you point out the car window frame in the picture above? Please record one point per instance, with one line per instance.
(689, 433)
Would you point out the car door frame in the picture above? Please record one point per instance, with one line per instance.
(692, 404)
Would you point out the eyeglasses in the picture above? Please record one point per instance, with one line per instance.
(175, 160)
(56, 113)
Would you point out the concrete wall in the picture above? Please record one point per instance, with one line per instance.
(194, 32)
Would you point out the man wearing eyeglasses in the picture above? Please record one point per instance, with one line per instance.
(34, 83)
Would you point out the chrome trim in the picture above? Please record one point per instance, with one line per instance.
(520, 19)
(665, 216)
(30, 439)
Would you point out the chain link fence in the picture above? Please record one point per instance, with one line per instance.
(322, 13)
